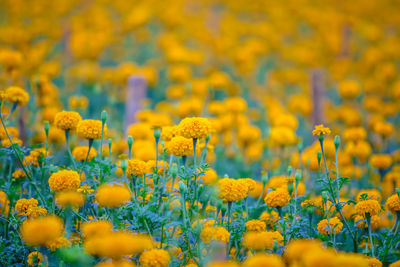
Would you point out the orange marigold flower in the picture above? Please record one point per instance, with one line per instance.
(136, 168)
(64, 180)
(334, 225)
(393, 203)
(23, 205)
(232, 190)
(321, 130)
(67, 120)
(369, 207)
(80, 153)
(194, 127)
(155, 257)
(15, 94)
(112, 195)
(180, 146)
(277, 198)
(90, 129)
(39, 231)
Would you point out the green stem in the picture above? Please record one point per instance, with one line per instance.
(69, 149)
(370, 234)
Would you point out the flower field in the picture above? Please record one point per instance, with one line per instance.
(215, 133)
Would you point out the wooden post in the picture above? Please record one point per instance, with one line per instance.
(135, 94)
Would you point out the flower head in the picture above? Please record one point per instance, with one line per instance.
(214, 233)
(112, 195)
(180, 146)
(155, 258)
(333, 225)
(369, 207)
(232, 190)
(263, 259)
(80, 153)
(15, 94)
(96, 228)
(195, 127)
(70, 198)
(277, 198)
(321, 130)
(90, 129)
(34, 258)
(67, 120)
(64, 180)
(23, 205)
(39, 231)
(393, 203)
(136, 168)
(256, 225)
(261, 240)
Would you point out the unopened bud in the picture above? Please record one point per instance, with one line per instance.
(297, 176)
(104, 116)
(182, 187)
(157, 134)
(290, 169)
(174, 170)
(124, 165)
(46, 127)
(264, 178)
(130, 141)
(336, 141)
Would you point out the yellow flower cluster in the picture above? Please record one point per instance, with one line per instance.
(90, 129)
(112, 195)
(136, 168)
(64, 180)
(70, 198)
(15, 94)
(67, 120)
(321, 130)
(180, 146)
(277, 198)
(393, 203)
(23, 206)
(256, 225)
(368, 207)
(117, 244)
(230, 190)
(261, 240)
(331, 226)
(80, 153)
(34, 258)
(96, 228)
(214, 233)
(39, 231)
(59, 242)
(155, 257)
(195, 127)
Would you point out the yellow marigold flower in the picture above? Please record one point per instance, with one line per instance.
(70, 198)
(80, 153)
(250, 183)
(194, 127)
(360, 222)
(214, 233)
(282, 136)
(34, 212)
(371, 194)
(321, 130)
(180, 146)
(277, 198)
(140, 131)
(374, 262)
(269, 217)
(64, 180)
(264, 260)
(369, 207)
(333, 226)
(117, 244)
(136, 168)
(116, 263)
(261, 240)
(155, 258)
(4, 203)
(19, 173)
(39, 231)
(23, 205)
(67, 120)
(112, 195)
(354, 134)
(350, 259)
(232, 190)
(59, 242)
(297, 248)
(85, 189)
(161, 166)
(12, 132)
(14, 140)
(96, 228)
(34, 258)
(256, 225)
(168, 132)
(236, 104)
(15, 94)
(319, 258)
(209, 177)
(90, 129)
(393, 203)
(349, 89)
(381, 161)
